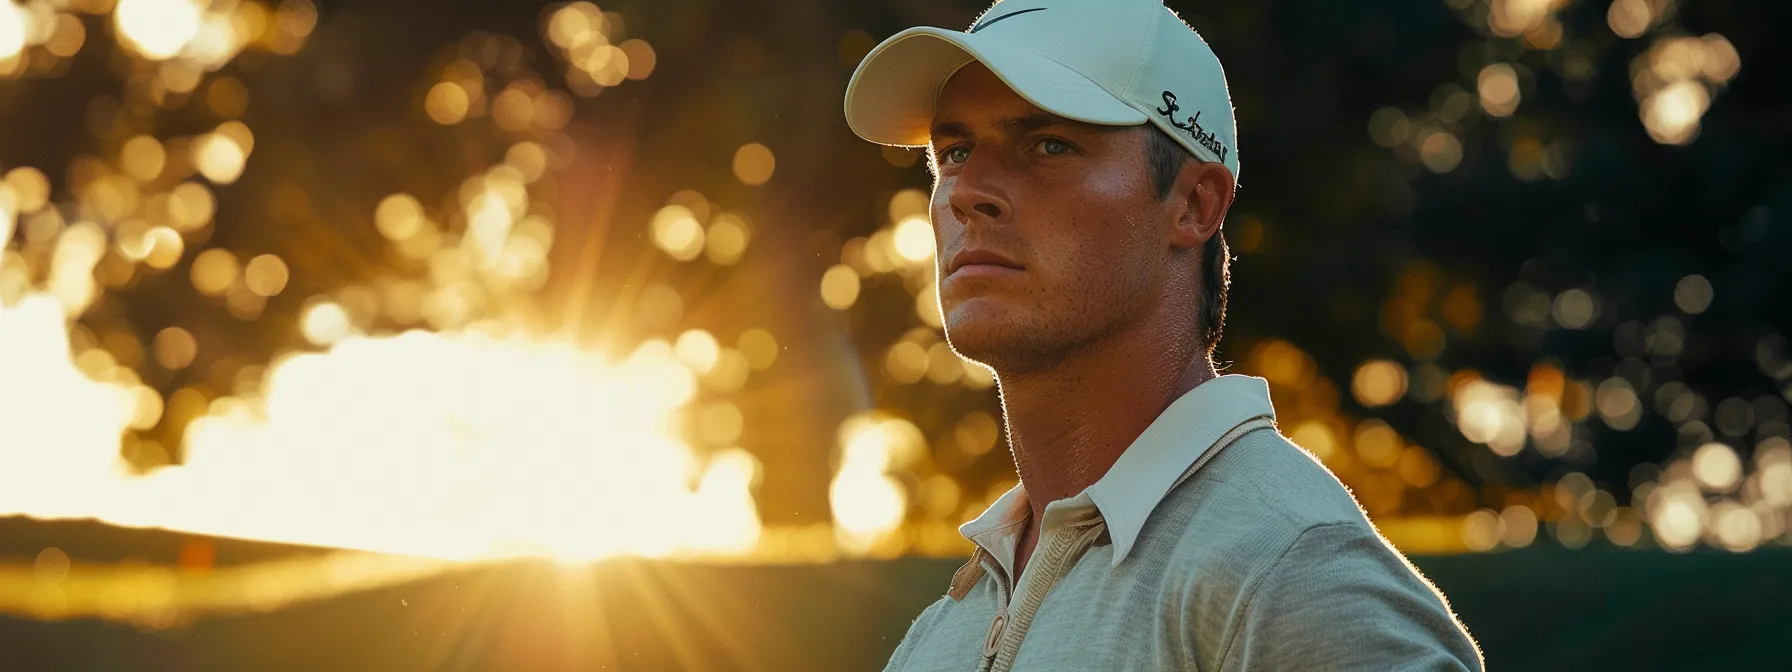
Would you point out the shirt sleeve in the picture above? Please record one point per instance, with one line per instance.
(1339, 598)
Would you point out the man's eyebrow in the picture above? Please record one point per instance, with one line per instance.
(1036, 121)
(1020, 125)
(951, 129)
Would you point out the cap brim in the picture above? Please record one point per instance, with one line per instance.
(892, 96)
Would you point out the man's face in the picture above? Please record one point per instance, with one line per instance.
(1050, 232)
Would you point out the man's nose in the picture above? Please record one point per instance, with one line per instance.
(978, 188)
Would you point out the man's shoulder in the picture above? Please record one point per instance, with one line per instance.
(1266, 522)
(1260, 491)
(1242, 512)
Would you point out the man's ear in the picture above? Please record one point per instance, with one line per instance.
(1205, 191)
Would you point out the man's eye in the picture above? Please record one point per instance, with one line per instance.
(1054, 146)
(957, 154)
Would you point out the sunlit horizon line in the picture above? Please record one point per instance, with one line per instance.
(57, 587)
(163, 596)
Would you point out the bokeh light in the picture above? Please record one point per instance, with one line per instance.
(753, 164)
(840, 287)
(446, 103)
(12, 30)
(265, 275)
(1498, 84)
(1630, 18)
(1378, 383)
(1693, 294)
(175, 348)
(158, 29)
(214, 271)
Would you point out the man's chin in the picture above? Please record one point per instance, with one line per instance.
(985, 333)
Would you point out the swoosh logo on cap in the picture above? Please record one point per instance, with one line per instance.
(987, 22)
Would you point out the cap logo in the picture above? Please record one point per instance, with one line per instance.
(1192, 124)
(987, 22)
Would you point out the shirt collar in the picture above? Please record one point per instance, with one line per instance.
(1155, 462)
(997, 530)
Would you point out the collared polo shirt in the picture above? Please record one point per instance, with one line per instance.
(1212, 543)
(1158, 459)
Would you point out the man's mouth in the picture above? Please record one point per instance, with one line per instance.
(978, 261)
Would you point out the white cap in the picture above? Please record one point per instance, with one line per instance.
(1109, 62)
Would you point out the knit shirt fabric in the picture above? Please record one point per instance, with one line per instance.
(1257, 559)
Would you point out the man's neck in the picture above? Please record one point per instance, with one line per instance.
(1069, 423)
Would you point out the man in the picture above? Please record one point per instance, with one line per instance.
(1084, 159)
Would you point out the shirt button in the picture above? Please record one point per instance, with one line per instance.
(995, 633)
